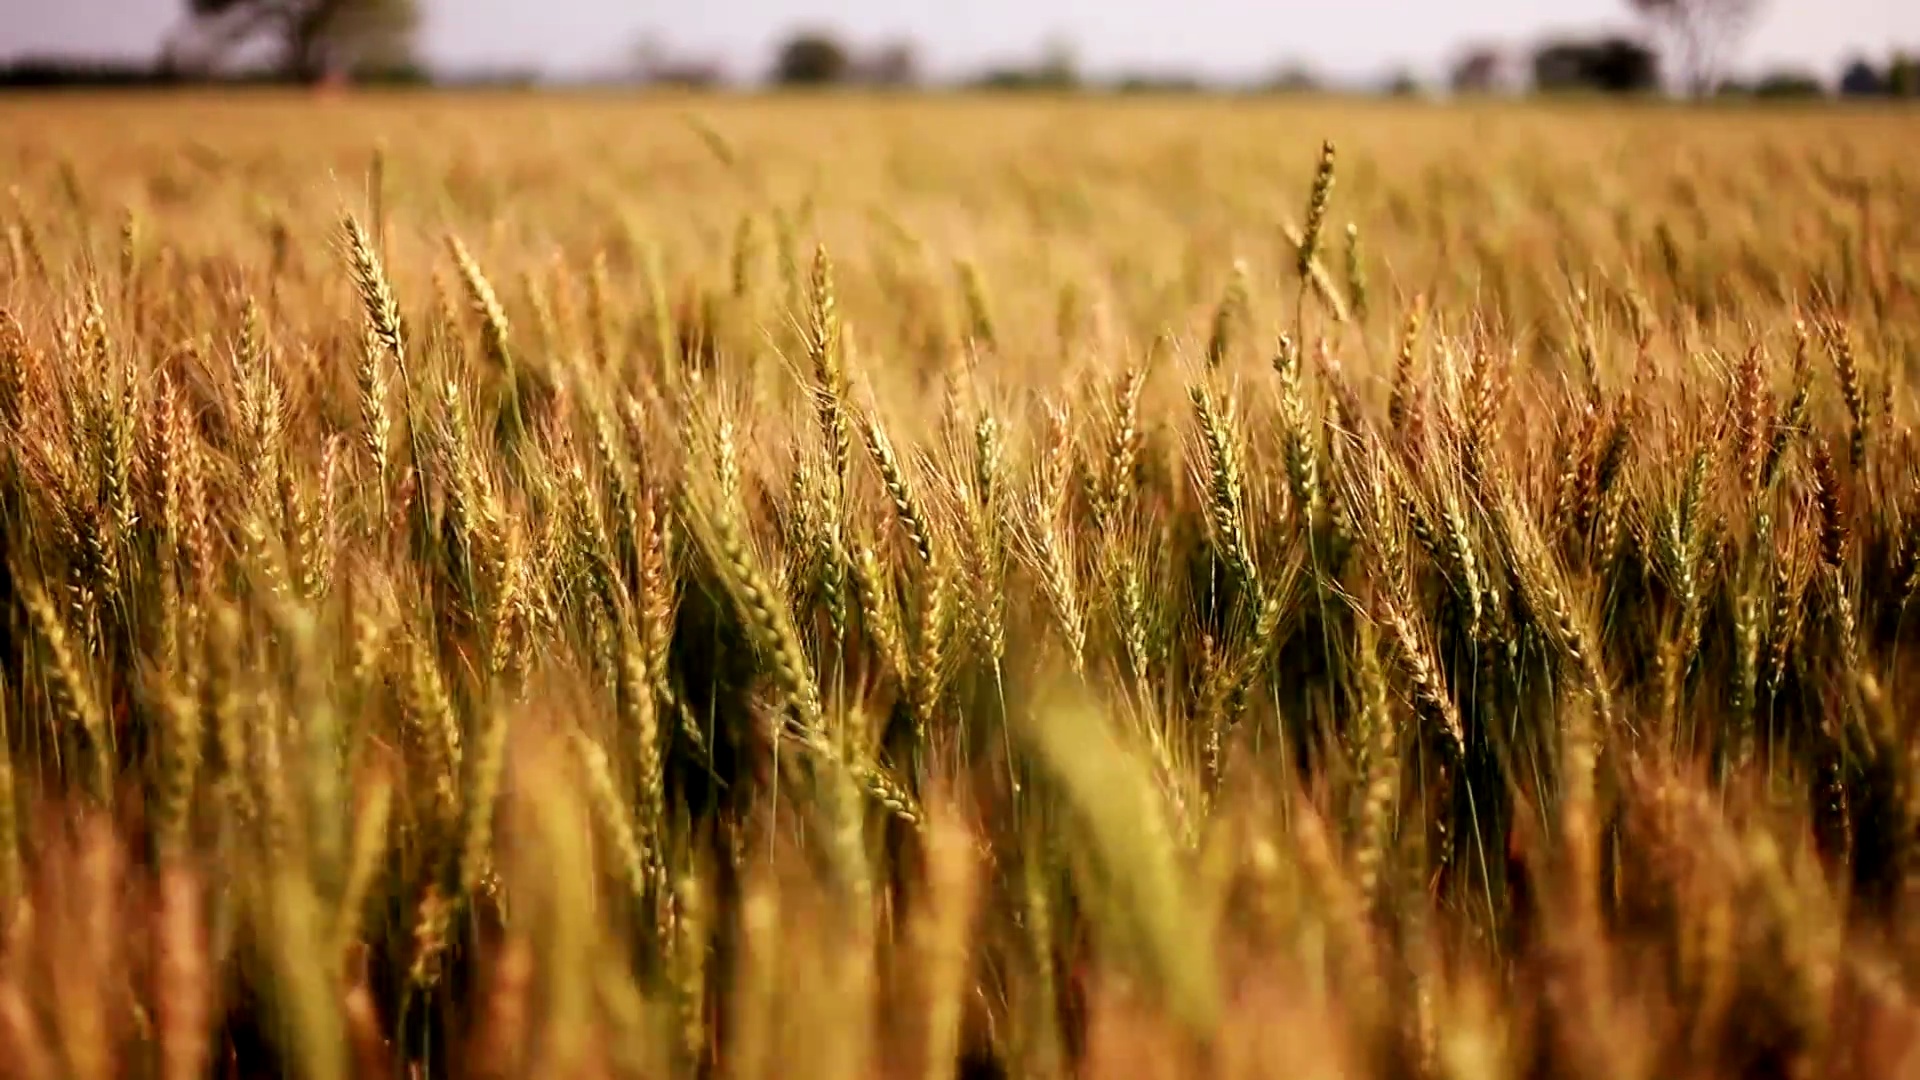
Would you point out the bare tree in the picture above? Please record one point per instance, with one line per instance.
(655, 62)
(1704, 32)
(895, 64)
(310, 37)
(1478, 71)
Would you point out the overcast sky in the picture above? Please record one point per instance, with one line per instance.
(1222, 37)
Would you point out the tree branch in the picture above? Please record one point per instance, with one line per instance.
(214, 36)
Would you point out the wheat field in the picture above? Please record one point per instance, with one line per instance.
(562, 586)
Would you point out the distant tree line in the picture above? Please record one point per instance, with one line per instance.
(1605, 64)
(1623, 65)
(58, 72)
(373, 41)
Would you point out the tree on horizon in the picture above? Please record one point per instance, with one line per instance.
(309, 39)
(1704, 34)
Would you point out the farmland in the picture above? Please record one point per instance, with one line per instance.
(564, 586)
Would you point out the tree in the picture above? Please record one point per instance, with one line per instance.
(1861, 79)
(1903, 76)
(1158, 82)
(811, 58)
(1477, 71)
(1612, 65)
(1704, 33)
(1057, 69)
(1292, 78)
(1789, 84)
(894, 65)
(1402, 84)
(310, 38)
(654, 62)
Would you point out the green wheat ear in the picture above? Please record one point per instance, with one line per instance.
(1122, 817)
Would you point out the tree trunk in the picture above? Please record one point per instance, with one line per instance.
(1698, 68)
(306, 52)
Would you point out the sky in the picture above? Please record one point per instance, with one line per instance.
(1221, 38)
